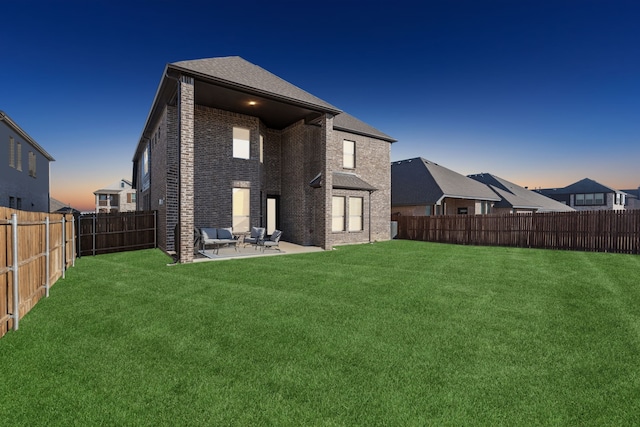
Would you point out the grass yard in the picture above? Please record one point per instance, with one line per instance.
(395, 333)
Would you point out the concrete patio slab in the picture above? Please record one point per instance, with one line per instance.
(249, 251)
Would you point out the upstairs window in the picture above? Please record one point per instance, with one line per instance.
(261, 149)
(348, 154)
(19, 156)
(241, 143)
(32, 164)
(589, 199)
(12, 155)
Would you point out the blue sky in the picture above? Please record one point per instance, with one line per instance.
(541, 93)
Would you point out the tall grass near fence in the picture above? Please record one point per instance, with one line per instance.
(592, 231)
(36, 249)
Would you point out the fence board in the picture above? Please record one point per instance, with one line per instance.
(116, 232)
(595, 231)
(32, 259)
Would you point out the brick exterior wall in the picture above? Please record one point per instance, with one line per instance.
(292, 158)
(373, 165)
(217, 172)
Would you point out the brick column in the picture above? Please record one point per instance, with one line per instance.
(186, 144)
(327, 177)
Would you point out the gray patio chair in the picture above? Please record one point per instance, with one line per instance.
(256, 237)
(273, 241)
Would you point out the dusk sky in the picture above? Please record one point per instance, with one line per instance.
(541, 93)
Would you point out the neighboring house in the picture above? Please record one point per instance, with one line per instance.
(588, 195)
(24, 169)
(117, 197)
(229, 144)
(56, 206)
(632, 198)
(420, 187)
(516, 199)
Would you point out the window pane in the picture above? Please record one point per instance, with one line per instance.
(579, 199)
(588, 199)
(599, 200)
(355, 213)
(241, 209)
(337, 209)
(241, 145)
(348, 154)
(261, 149)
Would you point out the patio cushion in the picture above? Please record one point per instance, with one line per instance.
(209, 233)
(225, 233)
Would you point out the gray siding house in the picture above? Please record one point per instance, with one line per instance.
(229, 144)
(24, 169)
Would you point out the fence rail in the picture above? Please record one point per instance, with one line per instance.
(103, 233)
(38, 248)
(594, 231)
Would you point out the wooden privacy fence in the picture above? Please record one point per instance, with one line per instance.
(116, 232)
(596, 231)
(38, 248)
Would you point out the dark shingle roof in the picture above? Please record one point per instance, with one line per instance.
(347, 122)
(346, 181)
(585, 185)
(238, 72)
(421, 182)
(514, 196)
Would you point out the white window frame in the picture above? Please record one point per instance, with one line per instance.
(348, 154)
(356, 219)
(261, 148)
(241, 209)
(338, 213)
(241, 143)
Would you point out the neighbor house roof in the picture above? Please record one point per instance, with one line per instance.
(417, 182)
(56, 206)
(585, 185)
(17, 129)
(515, 196)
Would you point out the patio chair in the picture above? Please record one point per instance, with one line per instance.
(273, 241)
(256, 237)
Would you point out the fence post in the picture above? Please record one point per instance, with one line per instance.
(94, 234)
(47, 257)
(64, 248)
(16, 287)
(73, 240)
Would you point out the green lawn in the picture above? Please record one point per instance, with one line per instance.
(395, 333)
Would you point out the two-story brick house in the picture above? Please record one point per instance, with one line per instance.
(229, 144)
(24, 169)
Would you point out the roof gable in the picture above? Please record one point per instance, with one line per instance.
(239, 73)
